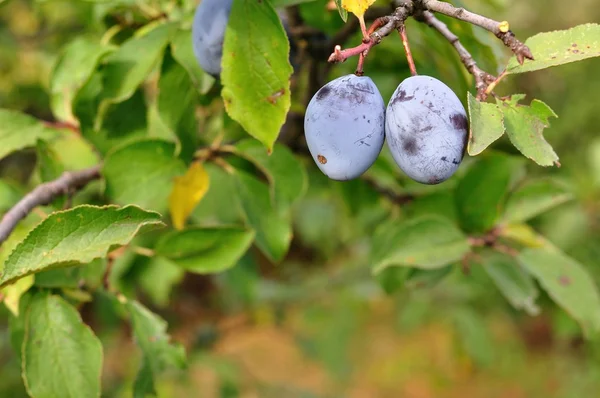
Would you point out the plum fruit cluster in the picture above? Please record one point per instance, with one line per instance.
(208, 34)
(425, 126)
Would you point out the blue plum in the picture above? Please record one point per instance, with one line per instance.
(344, 126)
(208, 34)
(426, 129)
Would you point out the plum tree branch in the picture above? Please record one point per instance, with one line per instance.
(482, 78)
(44, 194)
(423, 10)
(500, 29)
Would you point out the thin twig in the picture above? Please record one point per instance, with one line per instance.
(500, 29)
(482, 78)
(43, 195)
(409, 57)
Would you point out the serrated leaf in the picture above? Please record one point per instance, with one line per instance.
(481, 192)
(72, 70)
(427, 242)
(287, 176)
(272, 224)
(19, 131)
(188, 191)
(206, 250)
(75, 236)
(568, 283)
(179, 116)
(142, 173)
(256, 70)
(525, 126)
(486, 125)
(512, 281)
(126, 68)
(559, 48)
(534, 198)
(61, 355)
(159, 353)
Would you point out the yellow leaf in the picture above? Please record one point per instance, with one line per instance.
(12, 293)
(188, 191)
(357, 7)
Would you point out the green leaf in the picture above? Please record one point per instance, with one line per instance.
(19, 131)
(474, 335)
(72, 70)
(183, 51)
(48, 162)
(142, 173)
(481, 192)
(206, 250)
(272, 224)
(534, 198)
(392, 279)
(256, 71)
(559, 48)
(159, 353)
(75, 236)
(12, 293)
(341, 10)
(486, 125)
(525, 125)
(158, 278)
(61, 355)
(427, 242)
(178, 115)
(568, 283)
(513, 282)
(126, 68)
(285, 173)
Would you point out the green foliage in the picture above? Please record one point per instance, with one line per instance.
(122, 90)
(61, 355)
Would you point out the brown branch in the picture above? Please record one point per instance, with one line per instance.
(43, 195)
(388, 25)
(500, 29)
(482, 78)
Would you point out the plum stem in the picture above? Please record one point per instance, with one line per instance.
(409, 57)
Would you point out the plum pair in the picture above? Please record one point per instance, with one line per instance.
(425, 126)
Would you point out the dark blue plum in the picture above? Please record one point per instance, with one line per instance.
(426, 129)
(344, 126)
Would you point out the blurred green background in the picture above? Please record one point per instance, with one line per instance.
(319, 325)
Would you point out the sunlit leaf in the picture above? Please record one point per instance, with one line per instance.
(188, 191)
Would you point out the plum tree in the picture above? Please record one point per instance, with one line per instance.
(426, 129)
(344, 126)
(208, 34)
